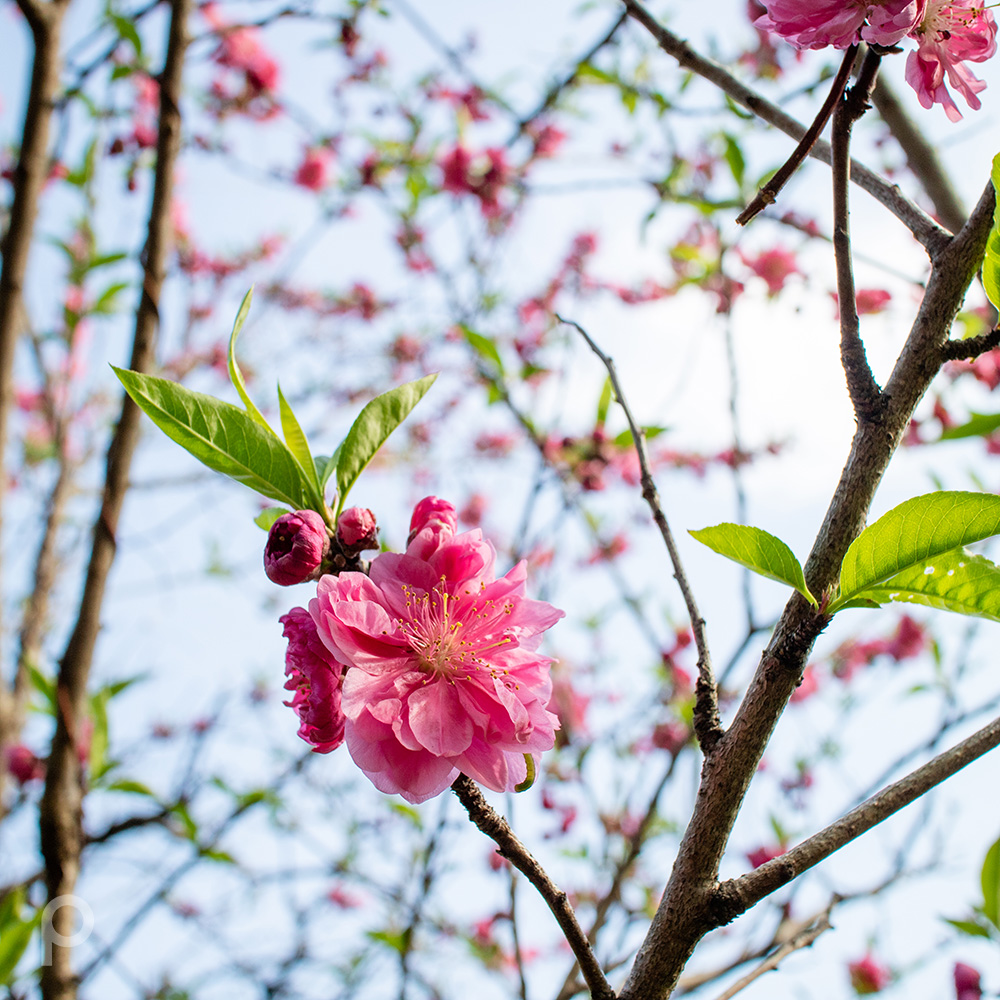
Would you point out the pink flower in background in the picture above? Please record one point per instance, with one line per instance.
(443, 670)
(815, 24)
(314, 677)
(22, 765)
(967, 982)
(313, 171)
(762, 855)
(871, 300)
(868, 975)
(949, 35)
(774, 266)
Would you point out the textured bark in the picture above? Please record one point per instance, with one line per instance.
(61, 812)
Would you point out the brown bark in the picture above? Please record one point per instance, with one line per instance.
(61, 812)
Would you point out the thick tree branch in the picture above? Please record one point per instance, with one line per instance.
(61, 809)
(738, 895)
(707, 724)
(496, 828)
(30, 173)
(866, 397)
(769, 192)
(686, 912)
(926, 231)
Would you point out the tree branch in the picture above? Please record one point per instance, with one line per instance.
(61, 808)
(959, 350)
(497, 829)
(769, 192)
(707, 724)
(738, 895)
(866, 397)
(924, 229)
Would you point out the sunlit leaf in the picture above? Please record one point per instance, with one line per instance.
(268, 516)
(220, 435)
(991, 263)
(757, 550)
(235, 375)
(297, 443)
(371, 429)
(978, 425)
(913, 533)
(990, 878)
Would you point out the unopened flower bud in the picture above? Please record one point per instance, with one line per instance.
(967, 982)
(296, 547)
(22, 765)
(357, 530)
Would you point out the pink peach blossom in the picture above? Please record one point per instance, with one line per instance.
(815, 24)
(442, 669)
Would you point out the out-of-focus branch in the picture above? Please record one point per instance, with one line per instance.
(769, 192)
(490, 822)
(45, 20)
(707, 725)
(921, 225)
(738, 895)
(921, 157)
(60, 814)
(866, 396)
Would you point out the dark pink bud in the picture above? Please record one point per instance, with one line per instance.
(967, 982)
(296, 547)
(357, 530)
(762, 855)
(22, 765)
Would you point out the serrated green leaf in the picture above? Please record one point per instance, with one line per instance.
(484, 347)
(268, 516)
(990, 879)
(759, 551)
(371, 429)
(298, 444)
(968, 927)
(913, 533)
(235, 375)
(220, 436)
(951, 581)
(978, 425)
(991, 262)
(529, 778)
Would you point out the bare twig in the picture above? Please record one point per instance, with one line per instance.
(866, 396)
(737, 895)
(490, 822)
(707, 724)
(60, 813)
(769, 192)
(959, 350)
(803, 939)
(921, 225)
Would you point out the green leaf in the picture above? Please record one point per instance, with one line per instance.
(235, 375)
(990, 878)
(131, 787)
(13, 943)
(757, 550)
(952, 581)
(371, 429)
(326, 466)
(45, 686)
(604, 403)
(978, 425)
(127, 32)
(734, 159)
(219, 435)
(298, 445)
(484, 347)
(968, 927)
(99, 738)
(991, 263)
(268, 516)
(529, 779)
(913, 533)
(215, 855)
(180, 811)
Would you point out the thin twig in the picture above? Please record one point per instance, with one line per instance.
(803, 939)
(707, 724)
(866, 396)
(490, 822)
(959, 350)
(927, 232)
(769, 192)
(737, 895)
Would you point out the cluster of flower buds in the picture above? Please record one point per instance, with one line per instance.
(299, 545)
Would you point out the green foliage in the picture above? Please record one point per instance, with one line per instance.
(758, 551)
(297, 443)
(485, 348)
(220, 436)
(985, 918)
(372, 428)
(235, 375)
(978, 425)
(890, 556)
(991, 262)
(268, 516)
(15, 933)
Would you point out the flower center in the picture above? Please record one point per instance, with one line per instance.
(445, 645)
